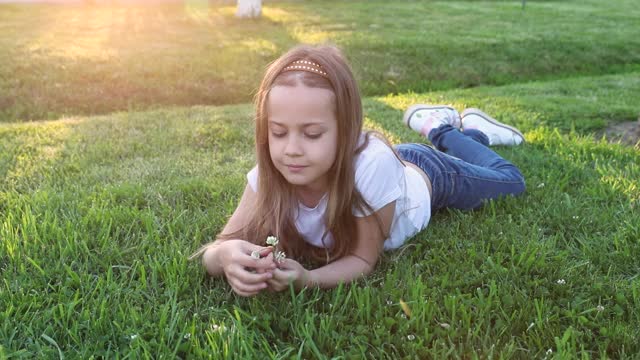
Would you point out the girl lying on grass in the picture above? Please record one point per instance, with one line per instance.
(335, 195)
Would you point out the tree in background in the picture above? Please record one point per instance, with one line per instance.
(249, 8)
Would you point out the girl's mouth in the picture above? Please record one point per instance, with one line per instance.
(295, 168)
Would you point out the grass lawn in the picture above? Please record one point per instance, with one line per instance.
(75, 59)
(98, 213)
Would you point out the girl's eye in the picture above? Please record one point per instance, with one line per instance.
(313, 136)
(277, 134)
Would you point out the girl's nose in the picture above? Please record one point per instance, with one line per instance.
(293, 147)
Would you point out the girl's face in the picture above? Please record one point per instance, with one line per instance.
(303, 134)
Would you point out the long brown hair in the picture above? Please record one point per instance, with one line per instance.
(273, 214)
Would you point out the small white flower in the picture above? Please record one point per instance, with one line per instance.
(540, 186)
(549, 352)
(187, 336)
(411, 337)
(575, 217)
(134, 336)
(272, 240)
(255, 254)
(600, 308)
(403, 316)
(561, 282)
(389, 302)
(219, 328)
(280, 256)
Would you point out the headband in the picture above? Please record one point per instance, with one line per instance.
(306, 65)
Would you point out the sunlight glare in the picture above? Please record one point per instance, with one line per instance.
(198, 11)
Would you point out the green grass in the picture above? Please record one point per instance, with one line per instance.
(100, 213)
(99, 210)
(75, 59)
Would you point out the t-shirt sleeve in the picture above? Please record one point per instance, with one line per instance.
(252, 178)
(378, 175)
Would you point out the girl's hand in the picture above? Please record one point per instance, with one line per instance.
(246, 275)
(288, 271)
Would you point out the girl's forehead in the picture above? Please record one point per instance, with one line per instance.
(300, 92)
(284, 101)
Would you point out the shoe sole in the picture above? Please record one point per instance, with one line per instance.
(489, 119)
(413, 108)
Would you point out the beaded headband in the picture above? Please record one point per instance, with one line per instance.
(306, 65)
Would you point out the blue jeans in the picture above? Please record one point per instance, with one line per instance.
(464, 172)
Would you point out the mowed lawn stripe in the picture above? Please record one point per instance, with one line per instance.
(95, 59)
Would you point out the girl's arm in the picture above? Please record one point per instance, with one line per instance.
(246, 275)
(211, 256)
(360, 263)
(365, 255)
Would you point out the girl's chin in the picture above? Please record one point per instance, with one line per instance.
(296, 180)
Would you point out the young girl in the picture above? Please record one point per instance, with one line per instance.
(337, 196)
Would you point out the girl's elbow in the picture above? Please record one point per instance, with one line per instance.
(368, 265)
(368, 268)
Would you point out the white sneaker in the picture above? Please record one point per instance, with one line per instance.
(497, 132)
(424, 118)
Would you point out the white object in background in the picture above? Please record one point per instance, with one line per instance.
(249, 8)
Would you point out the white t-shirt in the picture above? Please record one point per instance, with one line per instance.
(381, 178)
